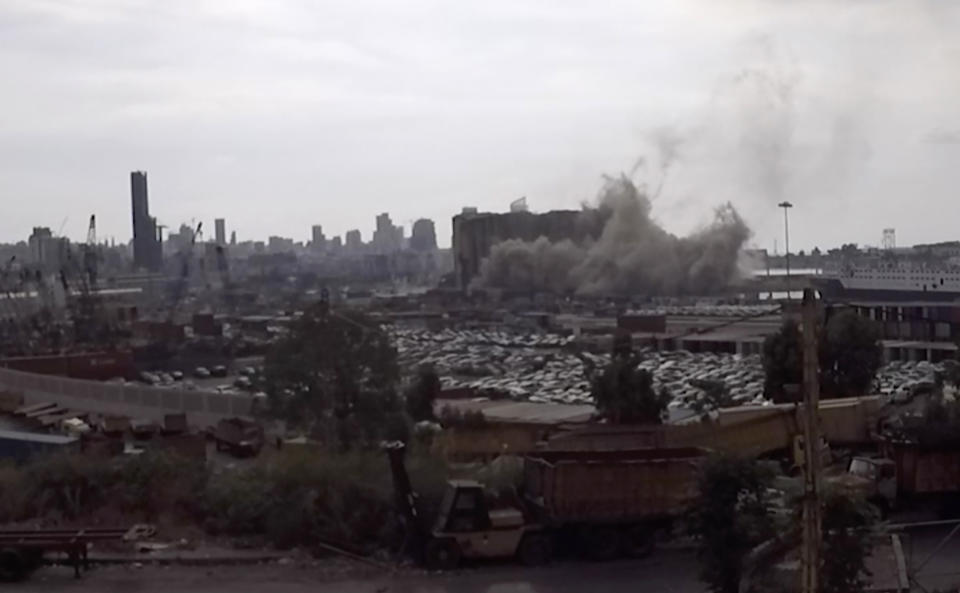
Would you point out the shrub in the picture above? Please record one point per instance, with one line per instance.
(14, 497)
(294, 498)
(157, 482)
(66, 486)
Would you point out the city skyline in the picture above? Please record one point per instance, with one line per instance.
(845, 112)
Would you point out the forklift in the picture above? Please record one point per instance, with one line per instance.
(465, 527)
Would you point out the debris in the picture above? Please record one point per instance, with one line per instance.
(140, 531)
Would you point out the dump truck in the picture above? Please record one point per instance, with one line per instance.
(905, 472)
(239, 436)
(604, 503)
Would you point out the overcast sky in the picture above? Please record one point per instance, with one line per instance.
(279, 114)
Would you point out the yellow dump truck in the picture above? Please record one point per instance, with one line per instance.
(908, 472)
(603, 503)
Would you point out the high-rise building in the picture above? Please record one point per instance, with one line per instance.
(47, 252)
(277, 244)
(354, 240)
(220, 231)
(423, 237)
(147, 252)
(318, 241)
(387, 238)
(233, 237)
(178, 241)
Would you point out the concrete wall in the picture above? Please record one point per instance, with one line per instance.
(203, 408)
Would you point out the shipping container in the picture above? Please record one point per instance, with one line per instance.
(656, 324)
(98, 366)
(21, 446)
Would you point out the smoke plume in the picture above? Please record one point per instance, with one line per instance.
(626, 252)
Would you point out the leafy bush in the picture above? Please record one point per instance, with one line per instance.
(848, 523)
(730, 516)
(421, 393)
(849, 350)
(14, 496)
(156, 482)
(67, 486)
(623, 392)
(293, 498)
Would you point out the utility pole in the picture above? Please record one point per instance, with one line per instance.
(811, 445)
(786, 236)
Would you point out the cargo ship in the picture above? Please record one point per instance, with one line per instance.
(904, 281)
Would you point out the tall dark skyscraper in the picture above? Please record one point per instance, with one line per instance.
(424, 236)
(146, 243)
(318, 241)
(220, 231)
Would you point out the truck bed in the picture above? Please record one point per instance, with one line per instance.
(924, 470)
(612, 486)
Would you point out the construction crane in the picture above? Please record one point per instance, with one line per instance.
(90, 253)
(224, 269)
(79, 303)
(178, 289)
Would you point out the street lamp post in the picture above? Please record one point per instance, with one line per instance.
(786, 236)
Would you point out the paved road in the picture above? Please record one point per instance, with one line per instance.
(666, 572)
(932, 569)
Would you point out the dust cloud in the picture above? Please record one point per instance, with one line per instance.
(627, 252)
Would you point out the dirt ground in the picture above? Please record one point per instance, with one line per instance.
(667, 572)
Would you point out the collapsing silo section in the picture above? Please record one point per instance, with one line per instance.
(622, 252)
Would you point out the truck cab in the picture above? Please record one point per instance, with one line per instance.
(800, 453)
(466, 528)
(875, 478)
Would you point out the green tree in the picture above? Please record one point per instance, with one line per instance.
(624, 393)
(716, 395)
(729, 518)
(850, 354)
(782, 360)
(421, 394)
(848, 523)
(334, 374)
(849, 350)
